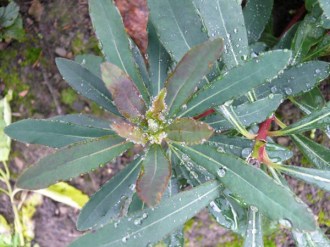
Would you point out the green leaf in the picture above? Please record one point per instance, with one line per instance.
(66, 194)
(152, 224)
(286, 39)
(238, 81)
(242, 147)
(310, 101)
(86, 83)
(309, 34)
(218, 18)
(317, 119)
(195, 64)
(317, 154)
(159, 61)
(188, 131)
(245, 114)
(83, 120)
(91, 63)
(256, 15)
(325, 5)
(295, 80)
(154, 176)
(5, 120)
(110, 30)
(72, 161)
(315, 177)
(8, 14)
(227, 211)
(182, 19)
(124, 92)
(310, 239)
(253, 185)
(53, 132)
(321, 49)
(106, 204)
(253, 235)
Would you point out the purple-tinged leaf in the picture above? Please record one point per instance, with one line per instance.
(189, 131)
(129, 131)
(154, 176)
(124, 92)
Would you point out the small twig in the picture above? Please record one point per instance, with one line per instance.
(51, 90)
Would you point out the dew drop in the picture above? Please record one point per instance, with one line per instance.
(254, 209)
(273, 89)
(288, 90)
(220, 150)
(317, 71)
(246, 152)
(285, 223)
(221, 172)
(184, 107)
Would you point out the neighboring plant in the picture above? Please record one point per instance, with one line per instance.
(23, 209)
(232, 163)
(11, 23)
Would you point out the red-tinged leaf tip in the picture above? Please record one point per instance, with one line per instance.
(126, 96)
(154, 176)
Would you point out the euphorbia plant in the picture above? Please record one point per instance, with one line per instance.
(200, 121)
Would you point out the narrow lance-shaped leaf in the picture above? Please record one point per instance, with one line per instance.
(5, 120)
(129, 131)
(114, 41)
(247, 113)
(196, 63)
(317, 154)
(86, 83)
(256, 15)
(253, 235)
(217, 16)
(83, 120)
(253, 185)
(105, 205)
(309, 34)
(159, 61)
(72, 161)
(227, 212)
(238, 81)
(65, 193)
(189, 131)
(90, 62)
(182, 19)
(310, 101)
(124, 92)
(310, 239)
(53, 132)
(154, 176)
(317, 119)
(152, 224)
(315, 177)
(295, 80)
(325, 5)
(242, 147)
(286, 39)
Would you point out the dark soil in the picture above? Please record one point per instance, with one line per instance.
(63, 28)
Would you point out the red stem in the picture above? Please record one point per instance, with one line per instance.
(205, 114)
(263, 129)
(299, 14)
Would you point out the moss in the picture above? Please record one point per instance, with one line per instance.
(68, 96)
(80, 45)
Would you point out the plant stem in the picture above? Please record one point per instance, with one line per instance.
(5, 177)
